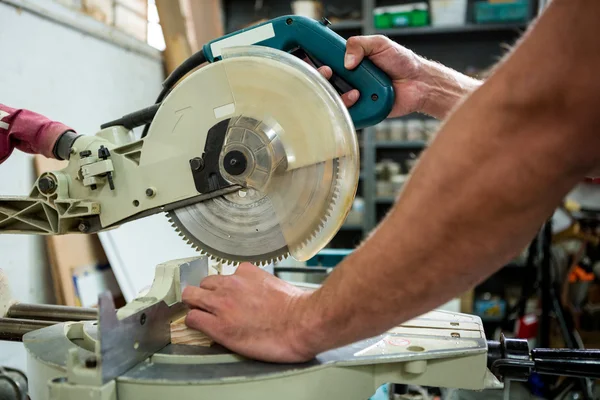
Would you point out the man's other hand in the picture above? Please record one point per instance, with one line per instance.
(250, 312)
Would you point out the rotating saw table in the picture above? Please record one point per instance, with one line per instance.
(129, 356)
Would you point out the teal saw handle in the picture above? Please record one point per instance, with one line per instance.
(315, 38)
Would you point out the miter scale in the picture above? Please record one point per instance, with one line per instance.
(253, 157)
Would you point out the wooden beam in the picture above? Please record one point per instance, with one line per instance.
(204, 21)
(181, 334)
(174, 30)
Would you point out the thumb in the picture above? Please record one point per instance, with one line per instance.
(359, 47)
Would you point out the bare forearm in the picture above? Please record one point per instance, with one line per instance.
(445, 88)
(499, 167)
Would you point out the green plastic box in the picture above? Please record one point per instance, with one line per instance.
(413, 15)
(488, 13)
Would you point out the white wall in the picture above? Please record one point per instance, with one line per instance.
(72, 77)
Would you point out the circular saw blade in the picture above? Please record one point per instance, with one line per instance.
(302, 154)
(244, 225)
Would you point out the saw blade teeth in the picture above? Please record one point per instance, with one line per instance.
(230, 258)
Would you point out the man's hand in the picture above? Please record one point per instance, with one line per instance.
(420, 85)
(252, 313)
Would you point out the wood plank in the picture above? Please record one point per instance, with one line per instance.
(181, 334)
(174, 30)
(204, 21)
(6, 299)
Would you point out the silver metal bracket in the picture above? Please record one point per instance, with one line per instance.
(129, 336)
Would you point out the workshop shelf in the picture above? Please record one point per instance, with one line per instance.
(346, 25)
(418, 144)
(444, 30)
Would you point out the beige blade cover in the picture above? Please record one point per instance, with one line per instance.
(303, 153)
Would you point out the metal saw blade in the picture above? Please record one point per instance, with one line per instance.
(245, 226)
(302, 154)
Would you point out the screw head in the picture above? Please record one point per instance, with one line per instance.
(235, 162)
(91, 362)
(47, 185)
(143, 319)
(150, 192)
(197, 164)
(289, 21)
(374, 97)
(84, 227)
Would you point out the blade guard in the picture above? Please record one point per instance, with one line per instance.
(290, 32)
(300, 153)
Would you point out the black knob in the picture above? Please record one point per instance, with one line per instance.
(235, 162)
(197, 164)
(91, 362)
(325, 21)
(103, 153)
(47, 185)
(85, 153)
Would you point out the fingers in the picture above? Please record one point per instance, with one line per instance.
(359, 47)
(211, 282)
(325, 71)
(196, 297)
(205, 322)
(350, 98)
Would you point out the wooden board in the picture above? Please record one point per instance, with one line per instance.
(173, 26)
(181, 334)
(204, 21)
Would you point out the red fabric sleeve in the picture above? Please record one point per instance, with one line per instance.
(27, 131)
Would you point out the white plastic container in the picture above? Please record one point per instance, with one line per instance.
(308, 8)
(382, 131)
(448, 12)
(414, 130)
(397, 130)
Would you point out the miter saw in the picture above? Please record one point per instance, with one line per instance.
(253, 157)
